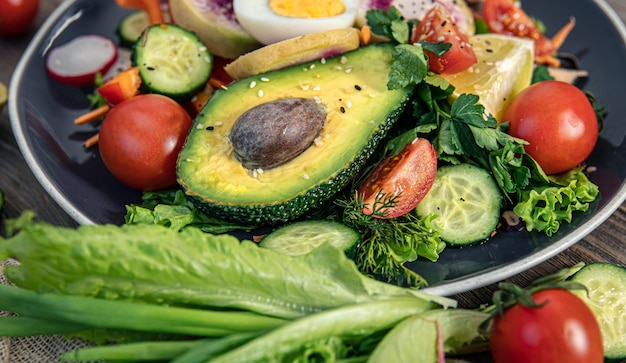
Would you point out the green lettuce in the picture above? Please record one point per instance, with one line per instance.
(546, 208)
(153, 263)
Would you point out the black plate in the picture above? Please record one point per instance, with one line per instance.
(42, 112)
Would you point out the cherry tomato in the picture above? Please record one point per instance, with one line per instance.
(557, 120)
(16, 16)
(140, 139)
(507, 17)
(562, 330)
(407, 176)
(438, 26)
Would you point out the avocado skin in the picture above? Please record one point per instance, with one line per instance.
(280, 209)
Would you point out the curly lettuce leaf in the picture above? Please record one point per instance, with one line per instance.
(545, 208)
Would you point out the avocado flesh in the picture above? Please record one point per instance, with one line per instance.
(356, 122)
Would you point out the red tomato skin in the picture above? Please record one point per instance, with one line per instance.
(507, 17)
(563, 330)
(438, 26)
(557, 120)
(409, 175)
(140, 139)
(16, 16)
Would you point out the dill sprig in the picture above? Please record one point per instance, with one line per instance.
(387, 244)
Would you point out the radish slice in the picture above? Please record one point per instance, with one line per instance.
(77, 62)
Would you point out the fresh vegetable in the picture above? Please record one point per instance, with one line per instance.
(77, 62)
(94, 313)
(604, 295)
(466, 201)
(3, 95)
(556, 326)
(311, 333)
(429, 336)
(439, 26)
(151, 7)
(545, 206)
(172, 61)
(301, 237)
(215, 24)
(132, 25)
(508, 17)
(16, 16)
(403, 180)
(140, 139)
(122, 87)
(558, 122)
(359, 112)
(157, 265)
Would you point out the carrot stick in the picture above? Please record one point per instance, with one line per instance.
(365, 35)
(92, 115)
(92, 141)
(561, 35)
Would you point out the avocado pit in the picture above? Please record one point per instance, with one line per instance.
(273, 133)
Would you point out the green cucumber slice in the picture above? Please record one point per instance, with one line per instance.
(132, 25)
(172, 61)
(467, 202)
(606, 297)
(301, 237)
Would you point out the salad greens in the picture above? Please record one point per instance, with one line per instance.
(460, 131)
(155, 264)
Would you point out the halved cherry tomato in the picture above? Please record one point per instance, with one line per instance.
(407, 177)
(121, 87)
(140, 139)
(562, 330)
(438, 26)
(507, 17)
(557, 120)
(16, 16)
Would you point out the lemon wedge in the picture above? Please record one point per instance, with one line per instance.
(3, 96)
(504, 68)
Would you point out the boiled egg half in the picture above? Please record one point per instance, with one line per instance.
(270, 21)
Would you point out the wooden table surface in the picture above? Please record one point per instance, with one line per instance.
(22, 190)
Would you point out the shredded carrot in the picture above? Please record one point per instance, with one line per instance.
(365, 35)
(561, 35)
(549, 60)
(92, 141)
(92, 115)
(217, 83)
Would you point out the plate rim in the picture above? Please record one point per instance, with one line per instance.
(456, 286)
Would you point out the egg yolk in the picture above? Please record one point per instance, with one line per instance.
(307, 8)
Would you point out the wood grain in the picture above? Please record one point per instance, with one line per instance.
(22, 191)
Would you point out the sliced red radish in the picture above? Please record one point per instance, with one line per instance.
(76, 62)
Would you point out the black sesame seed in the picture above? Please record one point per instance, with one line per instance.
(150, 68)
(342, 109)
(210, 128)
(357, 87)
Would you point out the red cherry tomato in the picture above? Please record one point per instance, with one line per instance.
(562, 330)
(507, 17)
(140, 139)
(557, 120)
(407, 176)
(16, 16)
(438, 26)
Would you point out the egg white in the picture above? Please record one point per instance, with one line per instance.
(258, 19)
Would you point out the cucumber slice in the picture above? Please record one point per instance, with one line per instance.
(132, 25)
(172, 61)
(606, 298)
(467, 202)
(299, 238)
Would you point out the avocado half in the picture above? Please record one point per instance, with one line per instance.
(359, 112)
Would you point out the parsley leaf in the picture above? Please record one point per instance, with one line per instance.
(409, 66)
